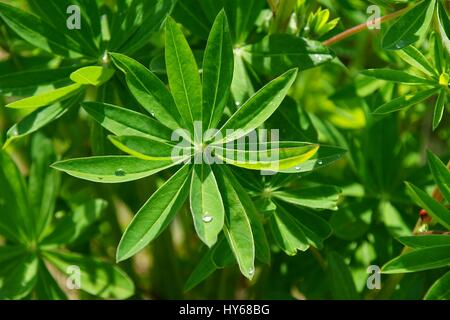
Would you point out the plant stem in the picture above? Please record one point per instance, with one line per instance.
(361, 27)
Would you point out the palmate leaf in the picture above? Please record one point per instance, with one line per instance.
(125, 122)
(267, 158)
(416, 59)
(39, 33)
(262, 249)
(149, 149)
(16, 222)
(410, 26)
(182, 71)
(40, 118)
(441, 175)
(297, 229)
(46, 287)
(112, 169)
(237, 227)
(318, 197)
(55, 14)
(397, 76)
(206, 204)
(155, 215)
(96, 276)
(73, 225)
(43, 184)
(217, 72)
(20, 81)
(258, 108)
(405, 101)
(279, 52)
(419, 260)
(92, 75)
(47, 98)
(18, 277)
(149, 91)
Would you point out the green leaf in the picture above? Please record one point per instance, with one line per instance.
(112, 169)
(324, 156)
(38, 119)
(440, 290)
(405, 101)
(434, 208)
(439, 108)
(206, 204)
(237, 227)
(46, 286)
(410, 26)
(155, 215)
(319, 197)
(153, 19)
(441, 174)
(416, 59)
(31, 79)
(194, 20)
(444, 25)
(396, 76)
(287, 232)
(277, 53)
(96, 276)
(43, 183)
(182, 71)
(93, 75)
(215, 258)
(125, 122)
(217, 72)
(55, 14)
(259, 107)
(15, 221)
(149, 149)
(242, 16)
(341, 281)
(149, 91)
(18, 277)
(48, 98)
(203, 270)
(39, 33)
(73, 225)
(259, 235)
(425, 241)
(419, 260)
(263, 157)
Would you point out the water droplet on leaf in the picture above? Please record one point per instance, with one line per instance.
(207, 218)
(120, 172)
(251, 271)
(319, 162)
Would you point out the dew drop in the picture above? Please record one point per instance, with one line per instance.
(207, 218)
(120, 172)
(319, 162)
(297, 168)
(152, 113)
(251, 271)
(14, 132)
(237, 103)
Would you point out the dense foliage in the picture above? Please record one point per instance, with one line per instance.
(224, 149)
